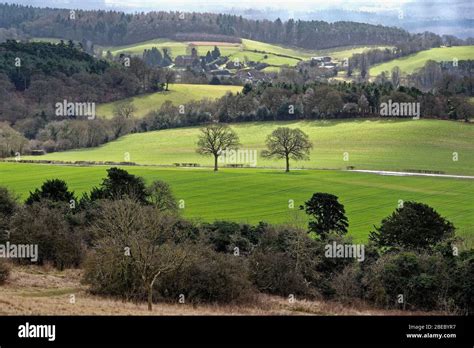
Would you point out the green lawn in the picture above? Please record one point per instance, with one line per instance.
(178, 94)
(370, 144)
(253, 195)
(415, 61)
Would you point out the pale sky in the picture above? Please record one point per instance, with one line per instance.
(287, 4)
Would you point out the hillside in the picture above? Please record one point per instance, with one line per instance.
(257, 51)
(178, 94)
(370, 144)
(413, 62)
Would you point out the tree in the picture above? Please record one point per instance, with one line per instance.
(214, 139)
(170, 77)
(329, 215)
(288, 143)
(137, 241)
(216, 53)
(119, 184)
(161, 196)
(125, 109)
(396, 75)
(55, 190)
(413, 226)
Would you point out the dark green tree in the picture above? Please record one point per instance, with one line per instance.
(413, 226)
(119, 184)
(55, 190)
(328, 215)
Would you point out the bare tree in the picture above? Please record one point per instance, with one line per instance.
(144, 236)
(214, 139)
(288, 143)
(125, 109)
(170, 77)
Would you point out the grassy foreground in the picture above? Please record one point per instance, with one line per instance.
(178, 94)
(415, 61)
(386, 144)
(253, 195)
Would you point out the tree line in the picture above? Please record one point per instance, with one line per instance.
(109, 28)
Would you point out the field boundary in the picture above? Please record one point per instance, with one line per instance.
(133, 164)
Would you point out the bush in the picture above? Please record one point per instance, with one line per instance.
(274, 273)
(209, 277)
(285, 262)
(422, 279)
(4, 272)
(48, 227)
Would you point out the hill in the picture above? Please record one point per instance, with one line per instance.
(370, 144)
(413, 62)
(274, 55)
(178, 94)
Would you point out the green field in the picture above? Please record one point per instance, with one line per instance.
(415, 61)
(178, 94)
(370, 144)
(252, 195)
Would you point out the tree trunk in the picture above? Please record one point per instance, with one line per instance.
(215, 163)
(150, 297)
(287, 163)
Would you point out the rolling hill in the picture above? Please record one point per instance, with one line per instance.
(413, 62)
(178, 94)
(370, 144)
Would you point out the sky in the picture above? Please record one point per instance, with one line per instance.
(297, 5)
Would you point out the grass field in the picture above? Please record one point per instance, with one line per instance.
(413, 62)
(178, 94)
(253, 195)
(370, 144)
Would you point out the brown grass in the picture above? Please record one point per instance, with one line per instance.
(36, 290)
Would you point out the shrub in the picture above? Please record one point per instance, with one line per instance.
(423, 280)
(4, 272)
(48, 227)
(209, 277)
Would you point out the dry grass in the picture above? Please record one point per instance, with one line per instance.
(36, 290)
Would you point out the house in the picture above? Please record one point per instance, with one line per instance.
(324, 59)
(185, 61)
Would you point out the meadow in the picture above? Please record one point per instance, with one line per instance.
(178, 94)
(413, 62)
(375, 144)
(253, 195)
